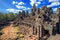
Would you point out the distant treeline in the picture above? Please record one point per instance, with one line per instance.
(6, 17)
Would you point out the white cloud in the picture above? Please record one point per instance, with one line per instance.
(53, 0)
(13, 10)
(53, 4)
(54, 9)
(34, 2)
(14, 2)
(21, 3)
(20, 7)
(28, 8)
(40, 0)
(18, 3)
(37, 3)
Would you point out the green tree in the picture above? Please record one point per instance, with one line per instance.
(1, 16)
(11, 16)
(6, 17)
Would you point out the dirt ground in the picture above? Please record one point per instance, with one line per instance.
(8, 31)
(56, 37)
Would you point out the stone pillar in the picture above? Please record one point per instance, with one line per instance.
(33, 30)
(42, 30)
(38, 32)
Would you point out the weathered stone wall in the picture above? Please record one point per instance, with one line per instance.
(39, 20)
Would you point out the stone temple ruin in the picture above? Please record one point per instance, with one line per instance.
(41, 21)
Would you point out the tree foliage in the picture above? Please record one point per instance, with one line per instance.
(11, 16)
(5, 17)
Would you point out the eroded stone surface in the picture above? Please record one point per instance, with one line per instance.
(38, 21)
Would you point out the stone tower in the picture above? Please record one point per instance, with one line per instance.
(38, 24)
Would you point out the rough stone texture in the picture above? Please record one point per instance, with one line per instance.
(39, 20)
(57, 37)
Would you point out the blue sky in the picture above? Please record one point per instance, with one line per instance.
(19, 5)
